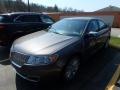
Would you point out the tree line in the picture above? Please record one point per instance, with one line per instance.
(20, 6)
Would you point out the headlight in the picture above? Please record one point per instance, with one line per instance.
(42, 60)
(11, 50)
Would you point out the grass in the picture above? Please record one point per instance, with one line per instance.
(115, 41)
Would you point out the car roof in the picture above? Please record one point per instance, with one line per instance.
(83, 18)
(22, 13)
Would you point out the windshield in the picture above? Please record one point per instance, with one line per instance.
(1, 18)
(69, 26)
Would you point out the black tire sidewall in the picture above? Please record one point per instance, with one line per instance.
(64, 72)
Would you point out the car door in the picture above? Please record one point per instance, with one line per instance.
(90, 38)
(30, 23)
(35, 23)
(103, 33)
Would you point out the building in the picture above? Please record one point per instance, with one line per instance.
(108, 11)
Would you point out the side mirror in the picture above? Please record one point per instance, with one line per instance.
(91, 34)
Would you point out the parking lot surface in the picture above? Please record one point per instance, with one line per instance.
(93, 75)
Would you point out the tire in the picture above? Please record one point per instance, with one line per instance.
(71, 70)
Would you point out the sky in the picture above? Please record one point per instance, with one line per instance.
(85, 5)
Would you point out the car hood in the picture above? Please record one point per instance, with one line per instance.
(42, 43)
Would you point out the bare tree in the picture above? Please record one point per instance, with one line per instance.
(19, 5)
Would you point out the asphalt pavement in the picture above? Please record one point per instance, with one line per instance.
(7, 74)
(93, 75)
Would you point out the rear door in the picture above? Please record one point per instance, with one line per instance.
(29, 23)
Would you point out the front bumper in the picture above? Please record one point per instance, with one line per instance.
(35, 73)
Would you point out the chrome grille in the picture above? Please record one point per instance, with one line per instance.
(18, 58)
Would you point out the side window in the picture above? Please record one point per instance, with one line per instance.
(47, 19)
(101, 24)
(93, 26)
(28, 18)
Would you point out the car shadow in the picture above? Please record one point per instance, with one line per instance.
(4, 55)
(87, 71)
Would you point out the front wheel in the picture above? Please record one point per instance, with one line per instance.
(71, 69)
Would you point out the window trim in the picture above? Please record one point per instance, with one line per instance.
(89, 24)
